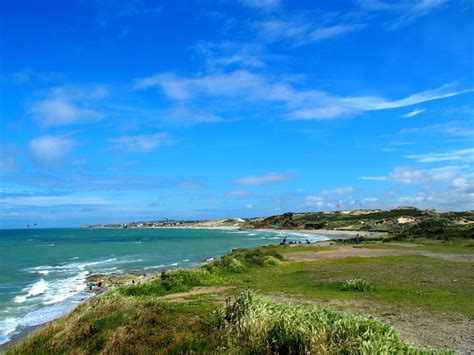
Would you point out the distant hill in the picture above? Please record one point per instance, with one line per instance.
(402, 220)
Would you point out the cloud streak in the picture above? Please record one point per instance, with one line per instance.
(299, 33)
(141, 143)
(414, 113)
(301, 104)
(266, 179)
(65, 106)
(464, 155)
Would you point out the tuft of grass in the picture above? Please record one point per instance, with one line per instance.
(171, 282)
(271, 261)
(241, 260)
(253, 325)
(357, 285)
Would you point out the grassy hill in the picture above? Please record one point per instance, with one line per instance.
(406, 298)
(383, 296)
(406, 221)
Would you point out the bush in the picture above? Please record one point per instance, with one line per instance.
(171, 282)
(227, 263)
(239, 260)
(271, 261)
(357, 285)
(253, 325)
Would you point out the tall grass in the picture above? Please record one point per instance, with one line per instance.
(357, 285)
(171, 282)
(241, 260)
(253, 325)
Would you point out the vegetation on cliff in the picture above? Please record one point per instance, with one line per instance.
(405, 222)
(293, 306)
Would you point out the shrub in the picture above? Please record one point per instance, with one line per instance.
(239, 260)
(271, 261)
(253, 325)
(171, 282)
(357, 285)
(229, 263)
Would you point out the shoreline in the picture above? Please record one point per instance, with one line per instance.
(332, 234)
(110, 281)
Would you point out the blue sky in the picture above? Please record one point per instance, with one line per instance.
(114, 111)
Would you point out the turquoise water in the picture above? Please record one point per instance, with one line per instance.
(43, 271)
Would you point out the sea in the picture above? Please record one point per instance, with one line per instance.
(43, 271)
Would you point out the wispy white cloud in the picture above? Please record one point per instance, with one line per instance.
(413, 113)
(406, 175)
(47, 151)
(416, 10)
(266, 5)
(451, 128)
(314, 201)
(45, 201)
(301, 104)
(370, 103)
(300, 32)
(448, 187)
(373, 178)
(265, 179)
(183, 115)
(239, 194)
(464, 155)
(67, 105)
(338, 191)
(377, 5)
(140, 143)
(320, 34)
(190, 185)
(230, 53)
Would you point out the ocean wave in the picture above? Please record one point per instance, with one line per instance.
(10, 326)
(59, 290)
(153, 267)
(38, 288)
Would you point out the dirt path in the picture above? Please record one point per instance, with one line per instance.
(349, 251)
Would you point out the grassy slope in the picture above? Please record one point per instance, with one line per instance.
(135, 320)
(418, 223)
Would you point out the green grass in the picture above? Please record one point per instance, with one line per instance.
(121, 325)
(402, 281)
(134, 320)
(252, 325)
(171, 282)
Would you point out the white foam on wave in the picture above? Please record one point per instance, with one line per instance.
(38, 288)
(10, 326)
(7, 327)
(65, 288)
(154, 267)
(70, 267)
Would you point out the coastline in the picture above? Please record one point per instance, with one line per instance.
(331, 234)
(110, 281)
